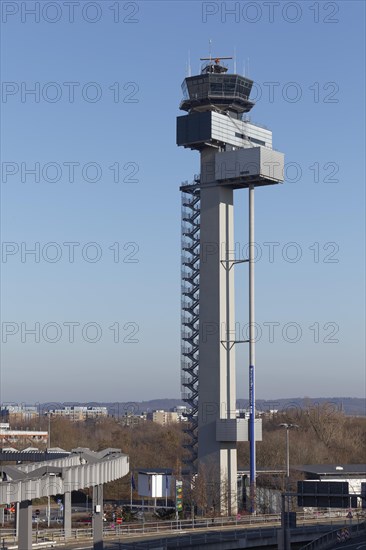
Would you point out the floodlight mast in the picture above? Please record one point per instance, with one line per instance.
(234, 154)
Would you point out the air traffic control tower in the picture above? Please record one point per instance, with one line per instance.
(234, 154)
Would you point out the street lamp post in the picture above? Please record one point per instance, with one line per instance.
(287, 454)
(288, 427)
(48, 447)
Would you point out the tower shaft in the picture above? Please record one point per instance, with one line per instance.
(217, 387)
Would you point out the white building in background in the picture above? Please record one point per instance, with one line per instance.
(77, 413)
(17, 413)
(163, 417)
(182, 411)
(21, 437)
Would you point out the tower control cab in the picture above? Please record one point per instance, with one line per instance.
(216, 102)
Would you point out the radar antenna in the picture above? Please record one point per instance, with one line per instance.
(213, 65)
(215, 59)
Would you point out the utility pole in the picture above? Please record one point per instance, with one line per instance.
(288, 427)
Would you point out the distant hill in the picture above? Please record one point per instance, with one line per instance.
(352, 406)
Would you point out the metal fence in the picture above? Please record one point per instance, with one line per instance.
(197, 539)
(337, 536)
(174, 526)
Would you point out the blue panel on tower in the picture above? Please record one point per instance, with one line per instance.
(194, 128)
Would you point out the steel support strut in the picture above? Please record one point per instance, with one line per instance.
(252, 336)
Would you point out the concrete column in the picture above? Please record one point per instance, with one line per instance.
(98, 517)
(67, 514)
(25, 525)
(217, 385)
(17, 519)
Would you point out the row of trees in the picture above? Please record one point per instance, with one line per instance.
(324, 436)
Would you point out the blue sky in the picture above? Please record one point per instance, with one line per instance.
(126, 68)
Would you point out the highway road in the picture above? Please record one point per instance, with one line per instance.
(218, 534)
(352, 544)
